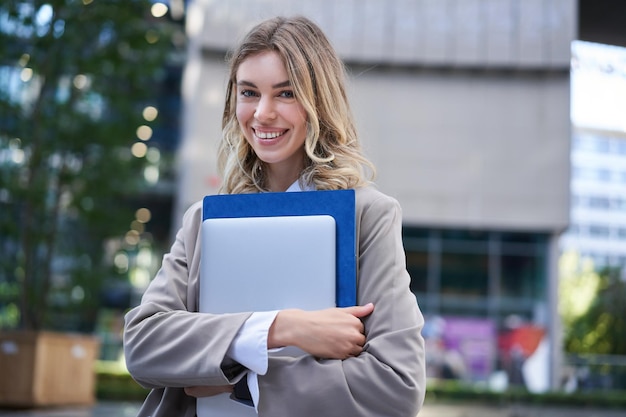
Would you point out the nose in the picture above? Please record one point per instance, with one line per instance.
(265, 110)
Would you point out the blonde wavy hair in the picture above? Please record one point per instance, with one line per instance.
(334, 159)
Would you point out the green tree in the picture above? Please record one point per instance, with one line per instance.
(75, 76)
(578, 285)
(602, 329)
(592, 308)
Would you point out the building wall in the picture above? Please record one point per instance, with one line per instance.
(494, 33)
(463, 105)
(478, 149)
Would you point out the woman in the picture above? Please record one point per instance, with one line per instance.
(287, 126)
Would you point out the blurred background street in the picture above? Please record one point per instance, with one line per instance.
(497, 124)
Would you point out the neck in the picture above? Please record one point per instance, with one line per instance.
(280, 180)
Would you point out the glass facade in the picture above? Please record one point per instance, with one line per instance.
(598, 155)
(478, 273)
(484, 294)
(598, 203)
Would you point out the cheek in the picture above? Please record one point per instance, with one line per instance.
(244, 112)
(298, 116)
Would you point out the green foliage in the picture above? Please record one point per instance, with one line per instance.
(602, 329)
(578, 286)
(75, 76)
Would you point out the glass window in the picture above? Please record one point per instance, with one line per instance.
(522, 276)
(532, 238)
(417, 265)
(599, 202)
(464, 274)
(599, 231)
(591, 174)
(464, 235)
(415, 232)
(477, 273)
(591, 143)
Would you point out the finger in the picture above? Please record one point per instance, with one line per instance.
(361, 311)
(356, 351)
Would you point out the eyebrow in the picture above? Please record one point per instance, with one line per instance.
(251, 84)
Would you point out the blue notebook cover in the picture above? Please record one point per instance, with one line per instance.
(340, 204)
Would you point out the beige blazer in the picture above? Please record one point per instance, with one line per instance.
(168, 345)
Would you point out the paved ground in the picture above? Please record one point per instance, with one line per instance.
(120, 409)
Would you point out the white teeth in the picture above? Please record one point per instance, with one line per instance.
(267, 135)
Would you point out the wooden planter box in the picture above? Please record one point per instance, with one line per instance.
(47, 369)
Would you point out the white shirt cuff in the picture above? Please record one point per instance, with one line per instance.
(249, 347)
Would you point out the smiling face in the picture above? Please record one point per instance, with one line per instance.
(271, 119)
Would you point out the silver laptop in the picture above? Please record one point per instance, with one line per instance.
(264, 264)
(267, 263)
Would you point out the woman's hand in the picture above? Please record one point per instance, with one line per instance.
(334, 333)
(207, 391)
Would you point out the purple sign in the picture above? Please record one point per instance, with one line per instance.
(473, 341)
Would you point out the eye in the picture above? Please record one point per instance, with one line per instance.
(287, 94)
(248, 93)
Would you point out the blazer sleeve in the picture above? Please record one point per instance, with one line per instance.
(167, 343)
(388, 377)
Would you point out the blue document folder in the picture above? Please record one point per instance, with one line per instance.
(340, 204)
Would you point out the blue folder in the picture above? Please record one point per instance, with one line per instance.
(340, 204)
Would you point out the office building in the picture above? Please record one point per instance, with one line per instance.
(598, 181)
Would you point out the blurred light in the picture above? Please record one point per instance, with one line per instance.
(153, 155)
(15, 143)
(139, 278)
(17, 156)
(158, 9)
(139, 149)
(144, 258)
(152, 36)
(58, 28)
(80, 81)
(78, 294)
(24, 60)
(137, 226)
(26, 75)
(143, 215)
(121, 262)
(151, 174)
(55, 161)
(86, 2)
(132, 237)
(144, 132)
(44, 16)
(150, 113)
